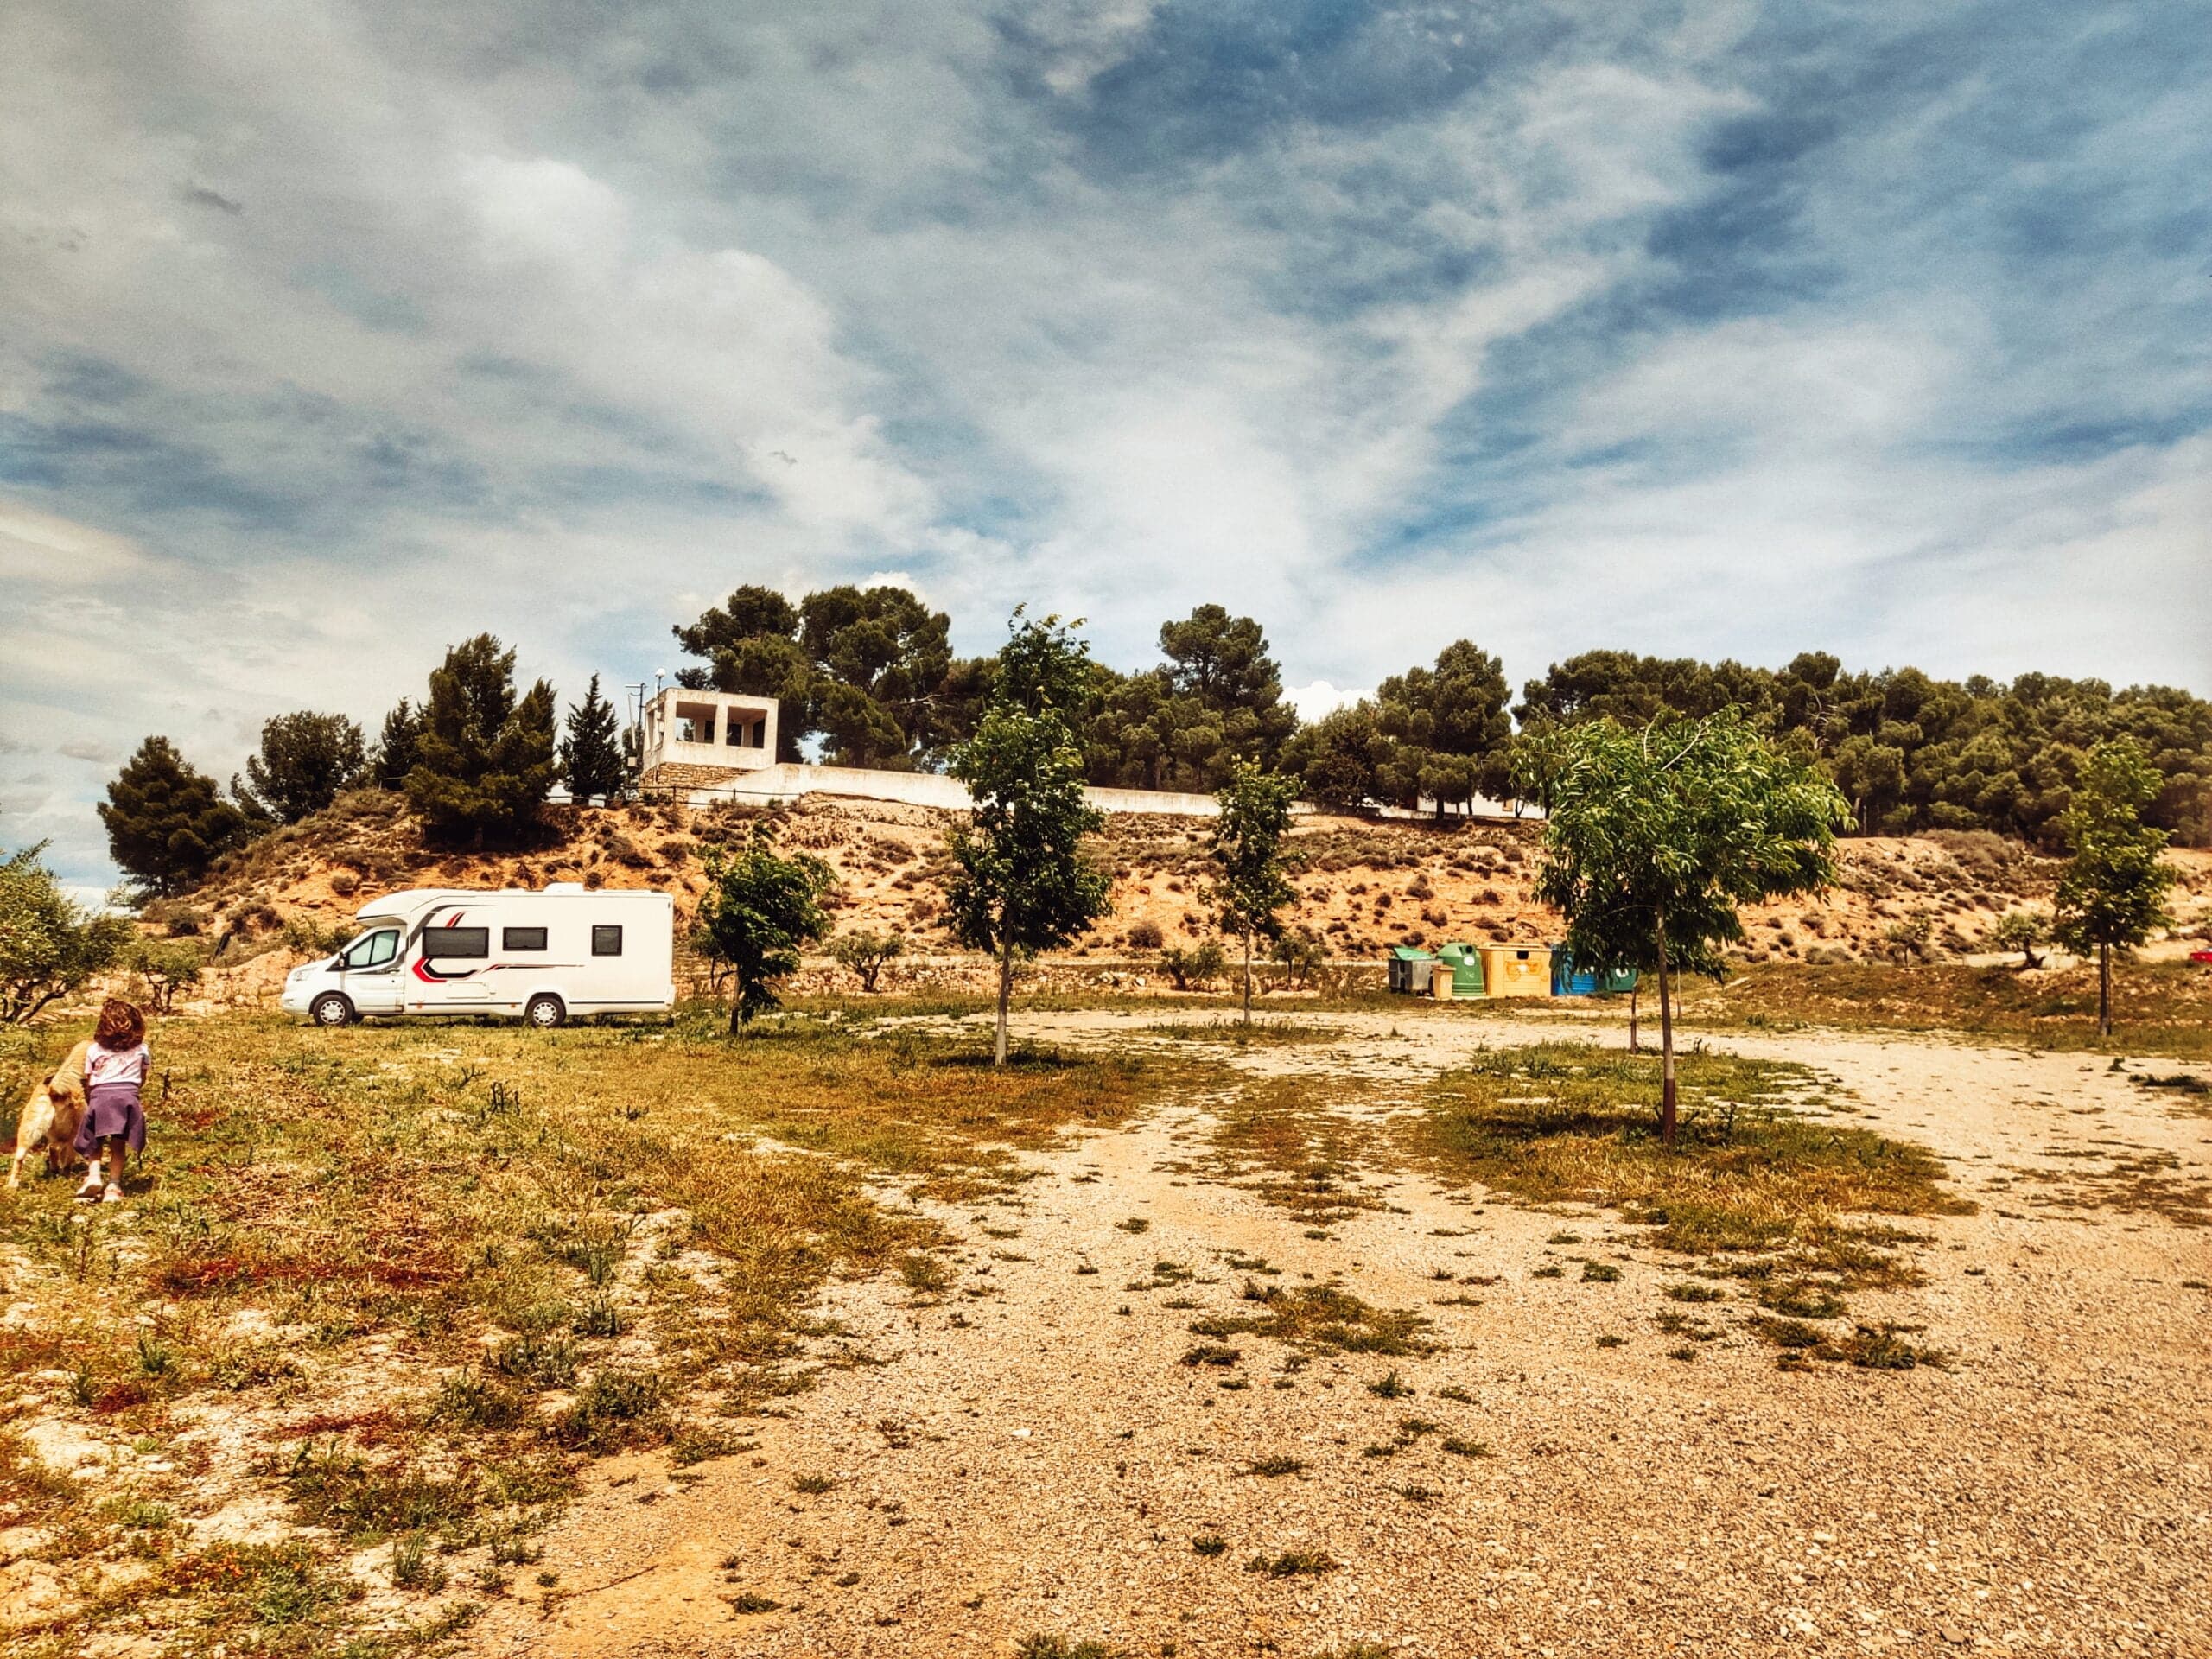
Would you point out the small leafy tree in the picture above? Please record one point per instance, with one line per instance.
(49, 945)
(485, 760)
(305, 759)
(592, 758)
(1197, 965)
(1299, 952)
(867, 954)
(166, 821)
(2021, 931)
(1657, 837)
(1911, 937)
(759, 910)
(1247, 850)
(1021, 883)
(2113, 890)
(167, 967)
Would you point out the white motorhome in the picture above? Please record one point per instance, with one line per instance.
(539, 957)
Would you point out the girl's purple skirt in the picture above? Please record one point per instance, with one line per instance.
(111, 1109)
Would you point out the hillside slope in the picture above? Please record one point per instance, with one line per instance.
(1363, 886)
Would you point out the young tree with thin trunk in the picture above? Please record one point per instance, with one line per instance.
(1248, 851)
(759, 910)
(1020, 882)
(1655, 837)
(2113, 890)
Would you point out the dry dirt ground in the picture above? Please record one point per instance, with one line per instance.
(1028, 1455)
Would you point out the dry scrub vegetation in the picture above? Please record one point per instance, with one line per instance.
(402, 1281)
(2161, 1008)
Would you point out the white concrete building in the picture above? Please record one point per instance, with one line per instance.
(692, 739)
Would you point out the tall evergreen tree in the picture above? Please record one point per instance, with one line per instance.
(591, 755)
(305, 759)
(167, 821)
(396, 745)
(485, 759)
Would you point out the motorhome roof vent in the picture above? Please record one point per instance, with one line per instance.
(565, 886)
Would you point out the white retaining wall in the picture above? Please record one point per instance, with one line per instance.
(788, 780)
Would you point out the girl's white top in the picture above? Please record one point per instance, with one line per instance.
(116, 1065)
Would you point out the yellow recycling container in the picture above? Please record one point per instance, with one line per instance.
(1517, 970)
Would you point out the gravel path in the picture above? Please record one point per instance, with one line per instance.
(1031, 1455)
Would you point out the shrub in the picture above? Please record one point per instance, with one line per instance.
(166, 967)
(867, 954)
(1197, 965)
(1146, 936)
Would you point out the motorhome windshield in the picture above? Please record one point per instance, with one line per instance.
(373, 949)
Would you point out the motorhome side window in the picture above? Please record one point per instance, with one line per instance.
(447, 943)
(522, 938)
(606, 941)
(373, 952)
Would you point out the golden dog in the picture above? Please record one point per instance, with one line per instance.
(51, 1119)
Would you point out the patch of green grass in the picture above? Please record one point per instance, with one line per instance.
(1274, 1468)
(815, 1486)
(1293, 1564)
(1750, 1172)
(1321, 1316)
(1059, 1647)
(2160, 1007)
(1391, 1387)
(1600, 1273)
(1459, 1448)
(1209, 1545)
(1692, 1292)
(1208, 1353)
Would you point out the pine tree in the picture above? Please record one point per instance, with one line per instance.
(166, 821)
(305, 759)
(396, 745)
(592, 761)
(484, 761)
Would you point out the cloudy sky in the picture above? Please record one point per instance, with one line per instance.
(333, 332)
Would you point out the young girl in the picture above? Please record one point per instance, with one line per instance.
(115, 1122)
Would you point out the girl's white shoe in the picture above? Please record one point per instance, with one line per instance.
(91, 1189)
(113, 1195)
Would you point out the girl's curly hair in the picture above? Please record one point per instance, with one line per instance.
(121, 1024)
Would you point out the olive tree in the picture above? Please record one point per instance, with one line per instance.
(760, 909)
(49, 945)
(1021, 883)
(2113, 890)
(1247, 849)
(1656, 835)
